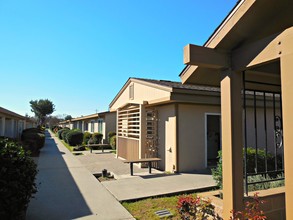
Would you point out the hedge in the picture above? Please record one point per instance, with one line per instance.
(86, 137)
(59, 133)
(97, 138)
(250, 164)
(64, 135)
(74, 137)
(33, 139)
(17, 180)
(111, 134)
(113, 142)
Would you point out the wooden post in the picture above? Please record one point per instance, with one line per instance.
(231, 110)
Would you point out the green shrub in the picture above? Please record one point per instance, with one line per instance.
(17, 180)
(33, 130)
(64, 135)
(97, 138)
(217, 172)
(33, 139)
(86, 137)
(59, 133)
(36, 139)
(250, 164)
(251, 158)
(74, 138)
(264, 185)
(111, 134)
(113, 142)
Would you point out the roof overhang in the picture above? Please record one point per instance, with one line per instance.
(92, 116)
(8, 113)
(248, 39)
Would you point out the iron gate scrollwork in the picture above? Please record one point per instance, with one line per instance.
(263, 135)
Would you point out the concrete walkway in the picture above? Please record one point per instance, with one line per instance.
(143, 184)
(67, 190)
(98, 161)
(155, 185)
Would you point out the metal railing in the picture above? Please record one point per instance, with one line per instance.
(264, 121)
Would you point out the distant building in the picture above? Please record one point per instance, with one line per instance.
(102, 122)
(12, 124)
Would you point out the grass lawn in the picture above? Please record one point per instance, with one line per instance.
(145, 209)
(70, 148)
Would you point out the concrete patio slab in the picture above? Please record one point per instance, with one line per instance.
(142, 184)
(68, 190)
(98, 161)
(157, 185)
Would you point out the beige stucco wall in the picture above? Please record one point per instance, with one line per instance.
(141, 93)
(166, 134)
(191, 135)
(110, 124)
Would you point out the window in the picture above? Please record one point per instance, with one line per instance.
(100, 126)
(92, 126)
(131, 91)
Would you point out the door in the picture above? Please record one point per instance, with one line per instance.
(213, 138)
(170, 147)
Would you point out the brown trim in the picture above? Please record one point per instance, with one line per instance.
(96, 115)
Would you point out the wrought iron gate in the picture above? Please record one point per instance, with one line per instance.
(263, 135)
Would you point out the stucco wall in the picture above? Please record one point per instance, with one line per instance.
(166, 134)
(110, 124)
(191, 134)
(141, 93)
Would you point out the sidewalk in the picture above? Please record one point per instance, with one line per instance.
(98, 161)
(67, 190)
(156, 185)
(142, 184)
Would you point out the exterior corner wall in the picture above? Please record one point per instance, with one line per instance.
(191, 134)
(110, 124)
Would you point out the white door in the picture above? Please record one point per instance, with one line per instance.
(170, 146)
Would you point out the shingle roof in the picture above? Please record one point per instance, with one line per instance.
(179, 85)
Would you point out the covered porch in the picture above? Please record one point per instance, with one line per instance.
(250, 56)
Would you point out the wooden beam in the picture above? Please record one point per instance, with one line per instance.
(263, 51)
(205, 57)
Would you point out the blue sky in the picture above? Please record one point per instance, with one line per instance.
(79, 54)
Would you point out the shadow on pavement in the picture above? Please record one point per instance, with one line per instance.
(58, 196)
